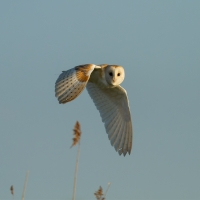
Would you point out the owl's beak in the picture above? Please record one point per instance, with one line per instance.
(114, 79)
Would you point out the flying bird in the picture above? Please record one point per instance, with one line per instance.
(103, 85)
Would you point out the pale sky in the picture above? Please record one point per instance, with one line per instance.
(158, 44)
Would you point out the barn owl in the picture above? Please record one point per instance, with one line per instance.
(103, 85)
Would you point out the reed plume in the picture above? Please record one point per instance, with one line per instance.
(77, 134)
(12, 190)
(99, 194)
(76, 139)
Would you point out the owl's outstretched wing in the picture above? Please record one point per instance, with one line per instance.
(113, 106)
(72, 82)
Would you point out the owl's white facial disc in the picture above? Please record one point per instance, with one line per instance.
(114, 74)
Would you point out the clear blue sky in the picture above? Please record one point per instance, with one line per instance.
(158, 44)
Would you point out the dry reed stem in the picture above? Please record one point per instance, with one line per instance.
(25, 184)
(107, 189)
(76, 139)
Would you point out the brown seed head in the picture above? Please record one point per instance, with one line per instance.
(12, 189)
(99, 194)
(77, 134)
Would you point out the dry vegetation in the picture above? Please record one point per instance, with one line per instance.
(76, 140)
(77, 134)
(99, 194)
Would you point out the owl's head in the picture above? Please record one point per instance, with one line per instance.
(114, 74)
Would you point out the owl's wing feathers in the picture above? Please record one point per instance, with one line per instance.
(72, 82)
(113, 106)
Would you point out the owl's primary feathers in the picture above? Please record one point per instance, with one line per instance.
(103, 85)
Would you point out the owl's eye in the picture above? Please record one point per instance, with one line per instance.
(118, 74)
(111, 74)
